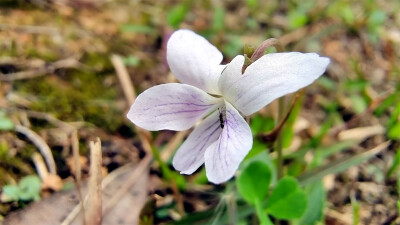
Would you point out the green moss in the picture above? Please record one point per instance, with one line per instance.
(82, 96)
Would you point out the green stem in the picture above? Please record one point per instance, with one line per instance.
(167, 173)
(279, 141)
(262, 216)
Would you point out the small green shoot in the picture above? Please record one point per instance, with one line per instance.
(5, 122)
(27, 189)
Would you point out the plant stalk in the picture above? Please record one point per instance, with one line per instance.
(279, 141)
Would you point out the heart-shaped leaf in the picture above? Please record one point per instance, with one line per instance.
(287, 200)
(253, 182)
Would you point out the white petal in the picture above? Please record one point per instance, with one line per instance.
(223, 157)
(231, 73)
(273, 76)
(190, 156)
(193, 60)
(171, 106)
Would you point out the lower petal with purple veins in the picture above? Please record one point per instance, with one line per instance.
(223, 157)
(190, 156)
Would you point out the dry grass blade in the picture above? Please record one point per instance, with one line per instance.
(63, 63)
(78, 173)
(93, 215)
(340, 165)
(361, 133)
(40, 144)
(124, 79)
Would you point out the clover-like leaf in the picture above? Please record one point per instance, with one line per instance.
(29, 188)
(253, 182)
(287, 200)
(6, 123)
(10, 193)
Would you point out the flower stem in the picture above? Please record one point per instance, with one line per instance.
(262, 216)
(271, 42)
(279, 141)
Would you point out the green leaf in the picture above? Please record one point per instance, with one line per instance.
(287, 136)
(133, 28)
(315, 206)
(359, 104)
(29, 187)
(233, 47)
(177, 14)
(10, 193)
(339, 165)
(355, 85)
(376, 18)
(259, 124)
(287, 200)
(388, 102)
(253, 183)
(252, 4)
(264, 157)
(6, 123)
(219, 18)
(395, 163)
(297, 19)
(258, 147)
(327, 83)
(131, 60)
(348, 15)
(394, 132)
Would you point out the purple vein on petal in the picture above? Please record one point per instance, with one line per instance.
(203, 146)
(177, 103)
(204, 140)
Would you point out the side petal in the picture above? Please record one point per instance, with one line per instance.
(171, 106)
(190, 156)
(273, 76)
(193, 60)
(231, 73)
(223, 157)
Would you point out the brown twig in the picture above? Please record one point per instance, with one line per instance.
(30, 29)
(63, 63)
(78, 172)
(40, 144)
(106, 181)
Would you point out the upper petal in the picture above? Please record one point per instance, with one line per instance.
(193, 60)
(171, 106)
(273, 76)
(190, 155)
(223, 157)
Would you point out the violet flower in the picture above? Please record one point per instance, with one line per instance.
(223, 95)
